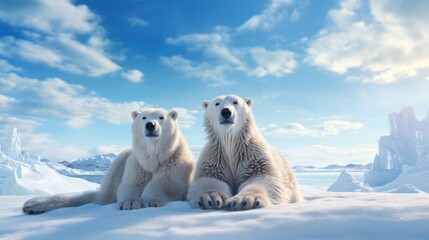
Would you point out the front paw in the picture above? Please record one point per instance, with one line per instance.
(131, 204)
(154, 203)
(245, 202)
(209, 200)
(36, 205)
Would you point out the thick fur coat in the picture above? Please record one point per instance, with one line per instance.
(157, 169)
(237, 168)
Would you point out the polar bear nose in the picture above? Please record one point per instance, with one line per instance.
(150, 126)
(225, 112)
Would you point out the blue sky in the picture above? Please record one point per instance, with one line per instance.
(323, 74)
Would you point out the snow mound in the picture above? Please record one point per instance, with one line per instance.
(406, 188)
(23, 174)
(347, 183)
(324, 215)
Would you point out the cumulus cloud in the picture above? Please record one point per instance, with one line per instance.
(135, 21)
(55, 97)
(272, 14)
(211, 44)
(134, 76)
(56, 33)
(106, 149)
(385, 45)
(186, 117)
(213, 75)
(6, 101)
(330, 127)
(220, 58)
(6, 67)
(277, 63)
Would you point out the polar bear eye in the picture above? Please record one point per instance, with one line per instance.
(235, 103)
(144, 118)
(217, 104)
(162, 118)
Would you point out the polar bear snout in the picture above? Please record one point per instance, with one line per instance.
(151, 129)
(226, 116)
(226, 113)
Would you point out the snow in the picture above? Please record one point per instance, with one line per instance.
(24, 173)
(324, 215)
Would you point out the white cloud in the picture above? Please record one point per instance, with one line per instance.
(6, 67)
(213, 75)
(134, 76)
(272, 14)
(49, 16)
(55, 97)
(384, 46)
(106, 149)
(212, 44)
(277, 63)
(322, 155)
(135, 21)
(5, 101)
(220, 58)
(59, 34)
(330, 127)
(186, 117)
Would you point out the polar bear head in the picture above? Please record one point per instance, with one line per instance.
(154, 125)
(227, 113)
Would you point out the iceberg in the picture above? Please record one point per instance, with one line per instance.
(23, 173)
(406, 145)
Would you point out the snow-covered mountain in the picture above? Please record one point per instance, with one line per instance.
(93, 165)
(23, 173)
(100, 163)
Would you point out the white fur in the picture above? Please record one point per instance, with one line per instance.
(156, 170)
(237, 168)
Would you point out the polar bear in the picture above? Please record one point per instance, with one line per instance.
(157, 169)
(237, 168)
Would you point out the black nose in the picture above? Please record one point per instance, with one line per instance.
(150, 126)
(225, 112)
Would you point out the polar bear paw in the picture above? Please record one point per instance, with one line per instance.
(154, 203)
(246, 202)
(210, 200)
(39, 205)
(131, 204)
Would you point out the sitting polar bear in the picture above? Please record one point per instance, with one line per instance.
(237, 168)
(157, 169)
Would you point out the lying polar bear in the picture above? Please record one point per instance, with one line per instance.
(157, 169)
(237, 168)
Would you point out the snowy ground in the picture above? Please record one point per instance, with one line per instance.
(324, 215)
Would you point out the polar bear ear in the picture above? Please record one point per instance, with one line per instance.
(205, 104)
(134, 114)
(174, 114)
(249, 101)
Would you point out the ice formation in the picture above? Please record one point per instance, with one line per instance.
(23, 173)
(347, 183)
(407, 145)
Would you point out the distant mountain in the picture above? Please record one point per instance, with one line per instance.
(99, 163)
(335, 167)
